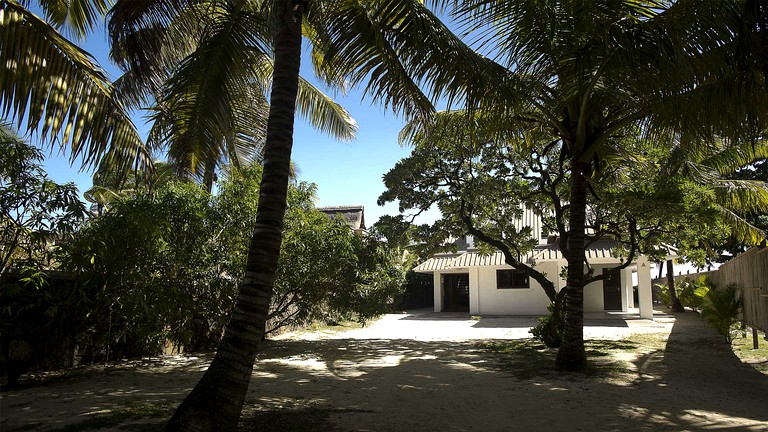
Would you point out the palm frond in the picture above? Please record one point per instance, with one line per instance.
(742, 230)
(75, 17)
(318, 108)
(137, 31)
(404, 53)
(54, 88)
(737, 156)
(324, 113)
(208, 107)
(742, 196)
(102, 195)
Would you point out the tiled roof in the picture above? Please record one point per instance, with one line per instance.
(599, 251)
(466, 259)
(437, 262)
(353, 215)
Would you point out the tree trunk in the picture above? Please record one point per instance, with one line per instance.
(674, 301)
(571, 356)
(209, 176)
(217, 400)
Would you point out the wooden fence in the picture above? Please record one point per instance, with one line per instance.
(755, 308)
(750, 271)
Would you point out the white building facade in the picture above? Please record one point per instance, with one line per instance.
(482, 284)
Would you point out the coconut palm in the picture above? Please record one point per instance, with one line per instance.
(712, 167)
(206, 68)
(52, 87)
(217, 399)
(594, 71)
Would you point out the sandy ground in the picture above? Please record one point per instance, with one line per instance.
(428, 372)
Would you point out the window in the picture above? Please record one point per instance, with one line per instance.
(511, 279)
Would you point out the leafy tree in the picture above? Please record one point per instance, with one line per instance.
(155, 281)
(325, 273)
(734, 202)
(152, 276)
(481, 185)
(35, 213)
(39, 311)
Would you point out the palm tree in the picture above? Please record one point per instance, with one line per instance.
(52, 87)
(205, 66)
(712, 167)
(218, 398)
(589, 70)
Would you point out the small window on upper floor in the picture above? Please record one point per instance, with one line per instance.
(512, 279)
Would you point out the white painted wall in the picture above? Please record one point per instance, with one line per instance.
(593, 297)
(493, 301)
(486, 299)
(474, 291)
(644, 287)
(594, 300)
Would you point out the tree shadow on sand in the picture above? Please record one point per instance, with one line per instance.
(691, 381)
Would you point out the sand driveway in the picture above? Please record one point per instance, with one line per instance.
(429, 372)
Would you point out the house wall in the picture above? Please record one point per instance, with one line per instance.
(593, 297)
(486, 299)
(593, 292)
(494, 301)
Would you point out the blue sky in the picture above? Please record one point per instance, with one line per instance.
(345, 172)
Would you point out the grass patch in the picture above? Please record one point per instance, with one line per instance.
(757, 358)
(529, 358)
(119, 416)
(523, 358)
(304, 419)
(334, 326)
(321, 326)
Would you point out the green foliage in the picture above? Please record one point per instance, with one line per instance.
(36, 214)
(720, 307)
(327, 273)
(549, 329)
(41, 314)
(166, 265)
(690, 291)
(155, 270)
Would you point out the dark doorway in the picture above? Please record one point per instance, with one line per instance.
(612, 290)
(456, 292)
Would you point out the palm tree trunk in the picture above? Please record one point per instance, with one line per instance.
(217, 400)
(209, 176)
(571, 356)
(674, 301)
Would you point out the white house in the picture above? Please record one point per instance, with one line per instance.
(469, 281)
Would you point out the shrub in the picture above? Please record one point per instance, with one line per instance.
(720, 307)
(689, 291)
(549, 329)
